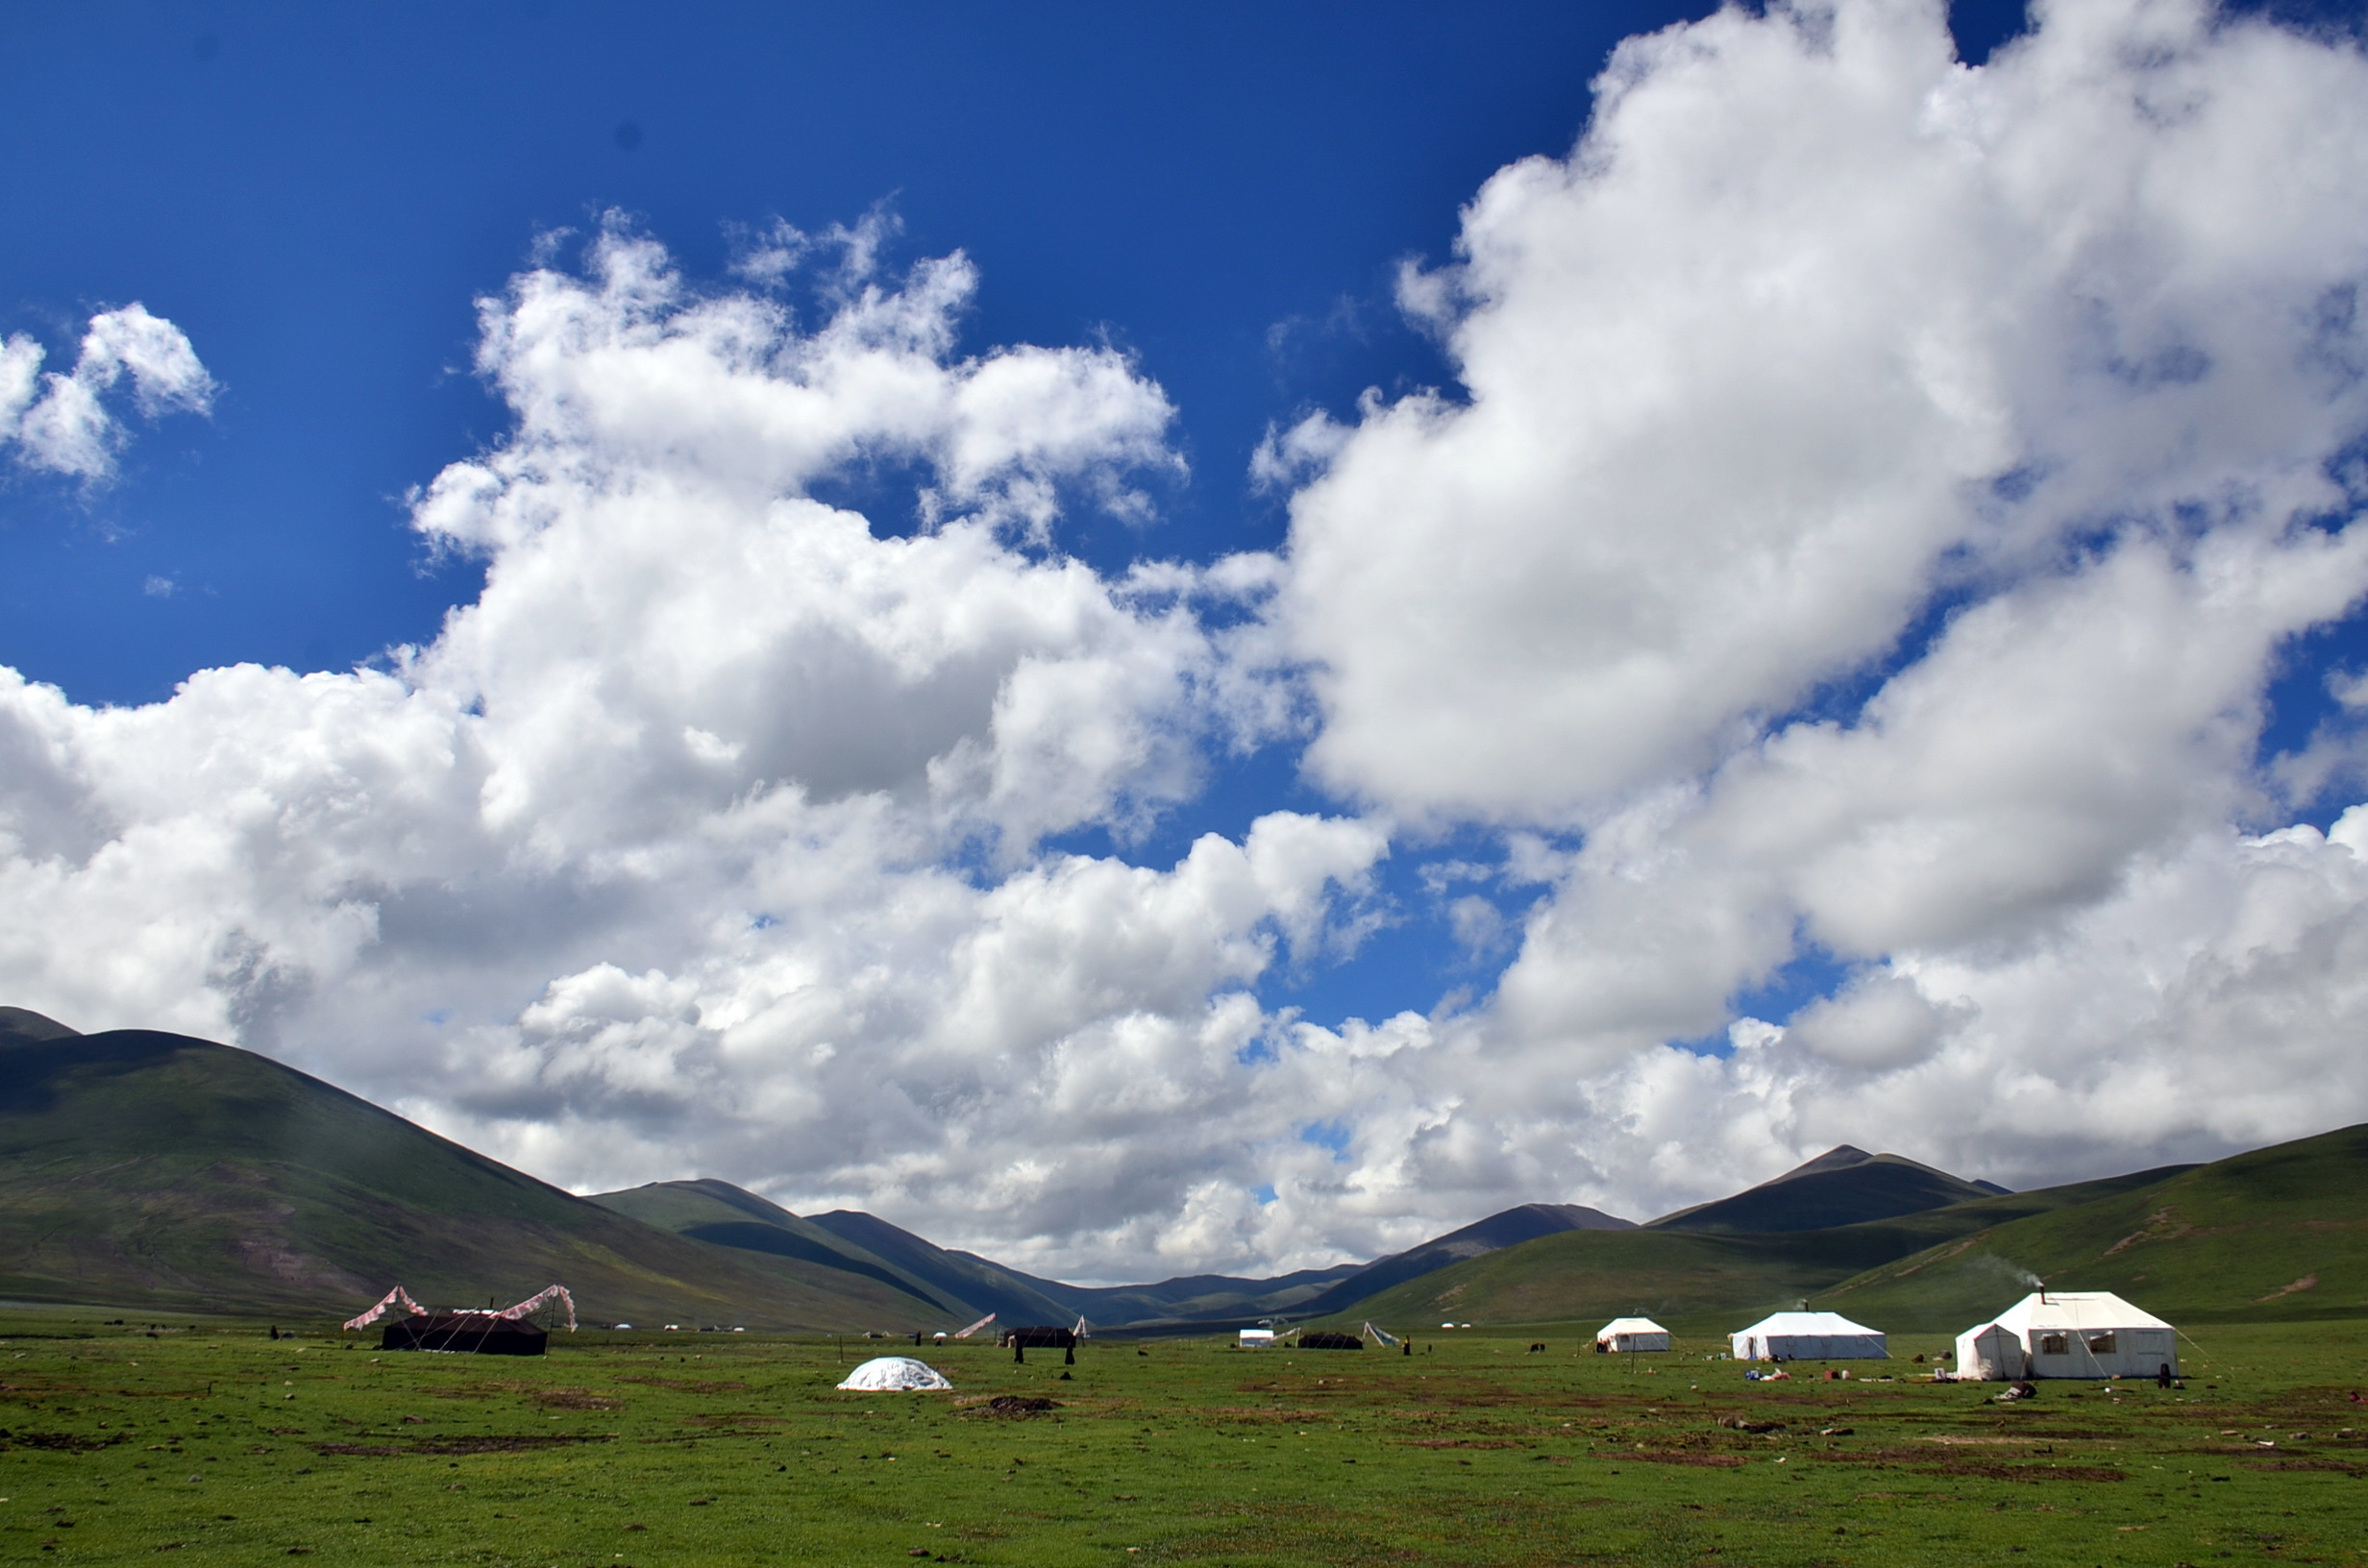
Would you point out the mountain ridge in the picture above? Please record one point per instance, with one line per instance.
(1844, 1186)
(142, 1166)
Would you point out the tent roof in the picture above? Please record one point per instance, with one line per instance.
(2080, 1310)
(1818, 1323)
(1630, 1325)
(885, 1374)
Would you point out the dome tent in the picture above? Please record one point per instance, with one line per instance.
(896, 1374)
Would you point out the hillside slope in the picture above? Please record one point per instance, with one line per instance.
(1699, 1281)
(2279, 1233)
(139, 1167)
(985, 1285)
(1506, 1228)
(765, 1235)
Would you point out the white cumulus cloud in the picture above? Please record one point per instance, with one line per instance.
(1877, 497)
(62, 423)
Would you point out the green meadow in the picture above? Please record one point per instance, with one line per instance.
(188, 1440)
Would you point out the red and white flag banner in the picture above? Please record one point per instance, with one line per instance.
(386, 1303)
(547, 1295)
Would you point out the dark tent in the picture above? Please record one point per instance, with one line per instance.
(483, 1333)
(1035, 1335)
(1321, 1340)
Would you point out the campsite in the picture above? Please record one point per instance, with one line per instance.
(129, 1440)
(234, 1411)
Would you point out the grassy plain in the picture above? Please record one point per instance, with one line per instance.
(210, 1444)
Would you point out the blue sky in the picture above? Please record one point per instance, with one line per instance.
(1222, 198)
(317, 197)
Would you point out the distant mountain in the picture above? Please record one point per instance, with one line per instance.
(986, 1286)
(719, 1214)
(1507, 1228)
(1700, 1278)
(1196, 1299)
(2273, 1236)
(147, 1168)
(1843, 1185)
(723, 1215)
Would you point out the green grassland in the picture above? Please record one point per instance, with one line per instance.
(206, 1442)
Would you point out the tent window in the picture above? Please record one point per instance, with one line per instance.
(2101, 1344)
(2051, 1344)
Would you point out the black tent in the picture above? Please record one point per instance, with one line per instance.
(1326, 1341)
(1036, 1334)
(483, 1333)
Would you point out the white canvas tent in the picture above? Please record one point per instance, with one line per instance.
(1626, 1334)
(895, 1374)
(1809, 1337)
(2068, 1333)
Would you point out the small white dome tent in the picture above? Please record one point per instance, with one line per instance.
(895, 1374)
(1623, 1334)
(2069, 1334)
(1810, 1336)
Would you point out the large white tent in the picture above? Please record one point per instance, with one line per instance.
(894, 1374)
(1627, 1333)
(2069, 1334)
(1809, 1337)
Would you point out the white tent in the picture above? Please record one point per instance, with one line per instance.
(893, 1374)
(2069, 1334)
(1257, 1339)
(1627, 1333)
(1809, 1337)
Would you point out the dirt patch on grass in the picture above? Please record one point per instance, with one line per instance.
(1009, 1406)
(735, 1418)
(1459, 1442)
(2306, 1464)
(2026, 1472)
(1701, 1458)
(443, 1447)
(577, 1399)
(1995, 1469)
(67, 1442)
(681, 1386)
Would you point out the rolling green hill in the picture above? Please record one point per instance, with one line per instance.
(1508, 1228)
(1701, 1281)
(146, 1168)
(2279, 1233)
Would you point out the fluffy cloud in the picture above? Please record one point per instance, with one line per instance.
(1878, 494)
(1878, 497)
(708, 836)
(61, 424)
(1815, 324)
